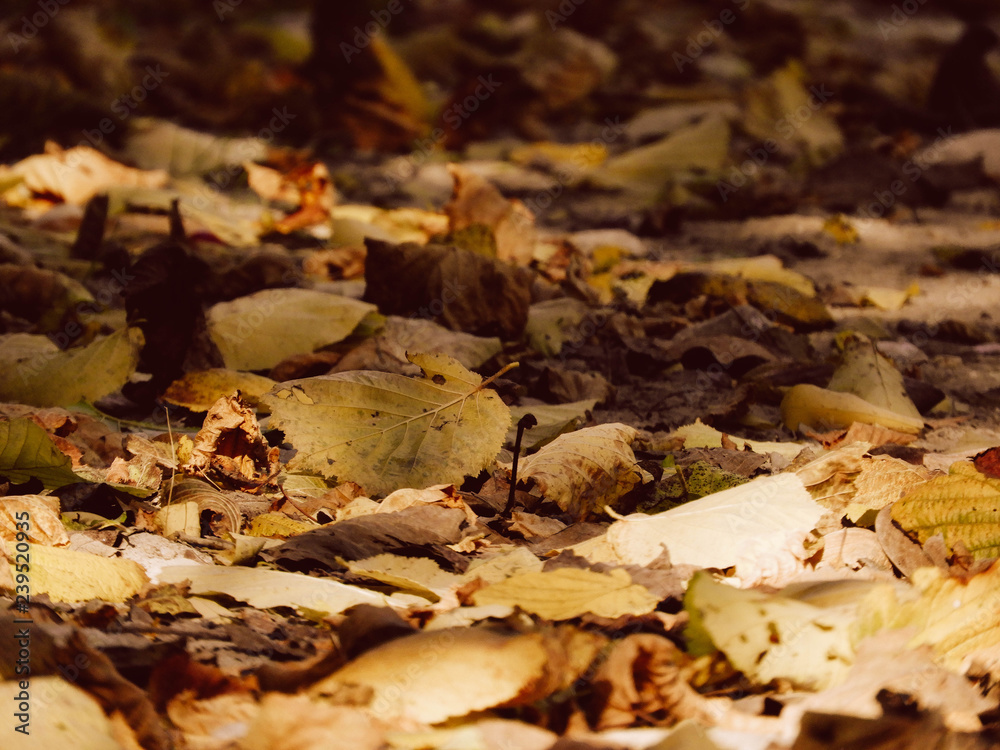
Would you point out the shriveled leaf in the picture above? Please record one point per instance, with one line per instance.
(35, 516)
(80, 173)
(806, 404)
(451, 673)
(461, 289)
(476, 202)
(272, 588)
(586, 470)
(871, 375)
(27, 451)
(386, 431)
(571, 592)
(34, 371)
(963, 507)
(256, 332)
(70, 576)
(769, 636)
(846, 476)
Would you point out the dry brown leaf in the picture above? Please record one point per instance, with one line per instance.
(229, 446)
(586, 470)
(32, 518)
(476, 201)
(80, 173)
(645, 678)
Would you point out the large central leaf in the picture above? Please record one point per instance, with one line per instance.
(385, 431)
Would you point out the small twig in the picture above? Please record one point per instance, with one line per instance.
(525, 423)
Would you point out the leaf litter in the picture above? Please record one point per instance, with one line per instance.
(258, 481)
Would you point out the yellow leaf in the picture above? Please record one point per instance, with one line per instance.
(811, 405)
(256, 332)
(79, 721)
(841, 230)
(436, 675)
(963, 507)
(34, 371)
(385, 431)
(197, 391)
(71, 576)
(768, 636)
(272, 588)
(959, 618)
(571, 592)
(869, 374)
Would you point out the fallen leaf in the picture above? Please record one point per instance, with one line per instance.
(33, 518)
(79, 722)
(27, 451)
(272, 588)
(870, 375)
(457, 288)
(70, 576)
(957, 617)
(769, 514)
(571, 592)
(584, 471)
(806, 404)
(256, 332)
(477, 202)
(433, 676)
(385, 431)
(197, 391)
(80, 173)
(769, 636)
(34, 371)
(964, 507)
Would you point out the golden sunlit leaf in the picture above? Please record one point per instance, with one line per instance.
(963, 507)
(386, 431)
(571, 592)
